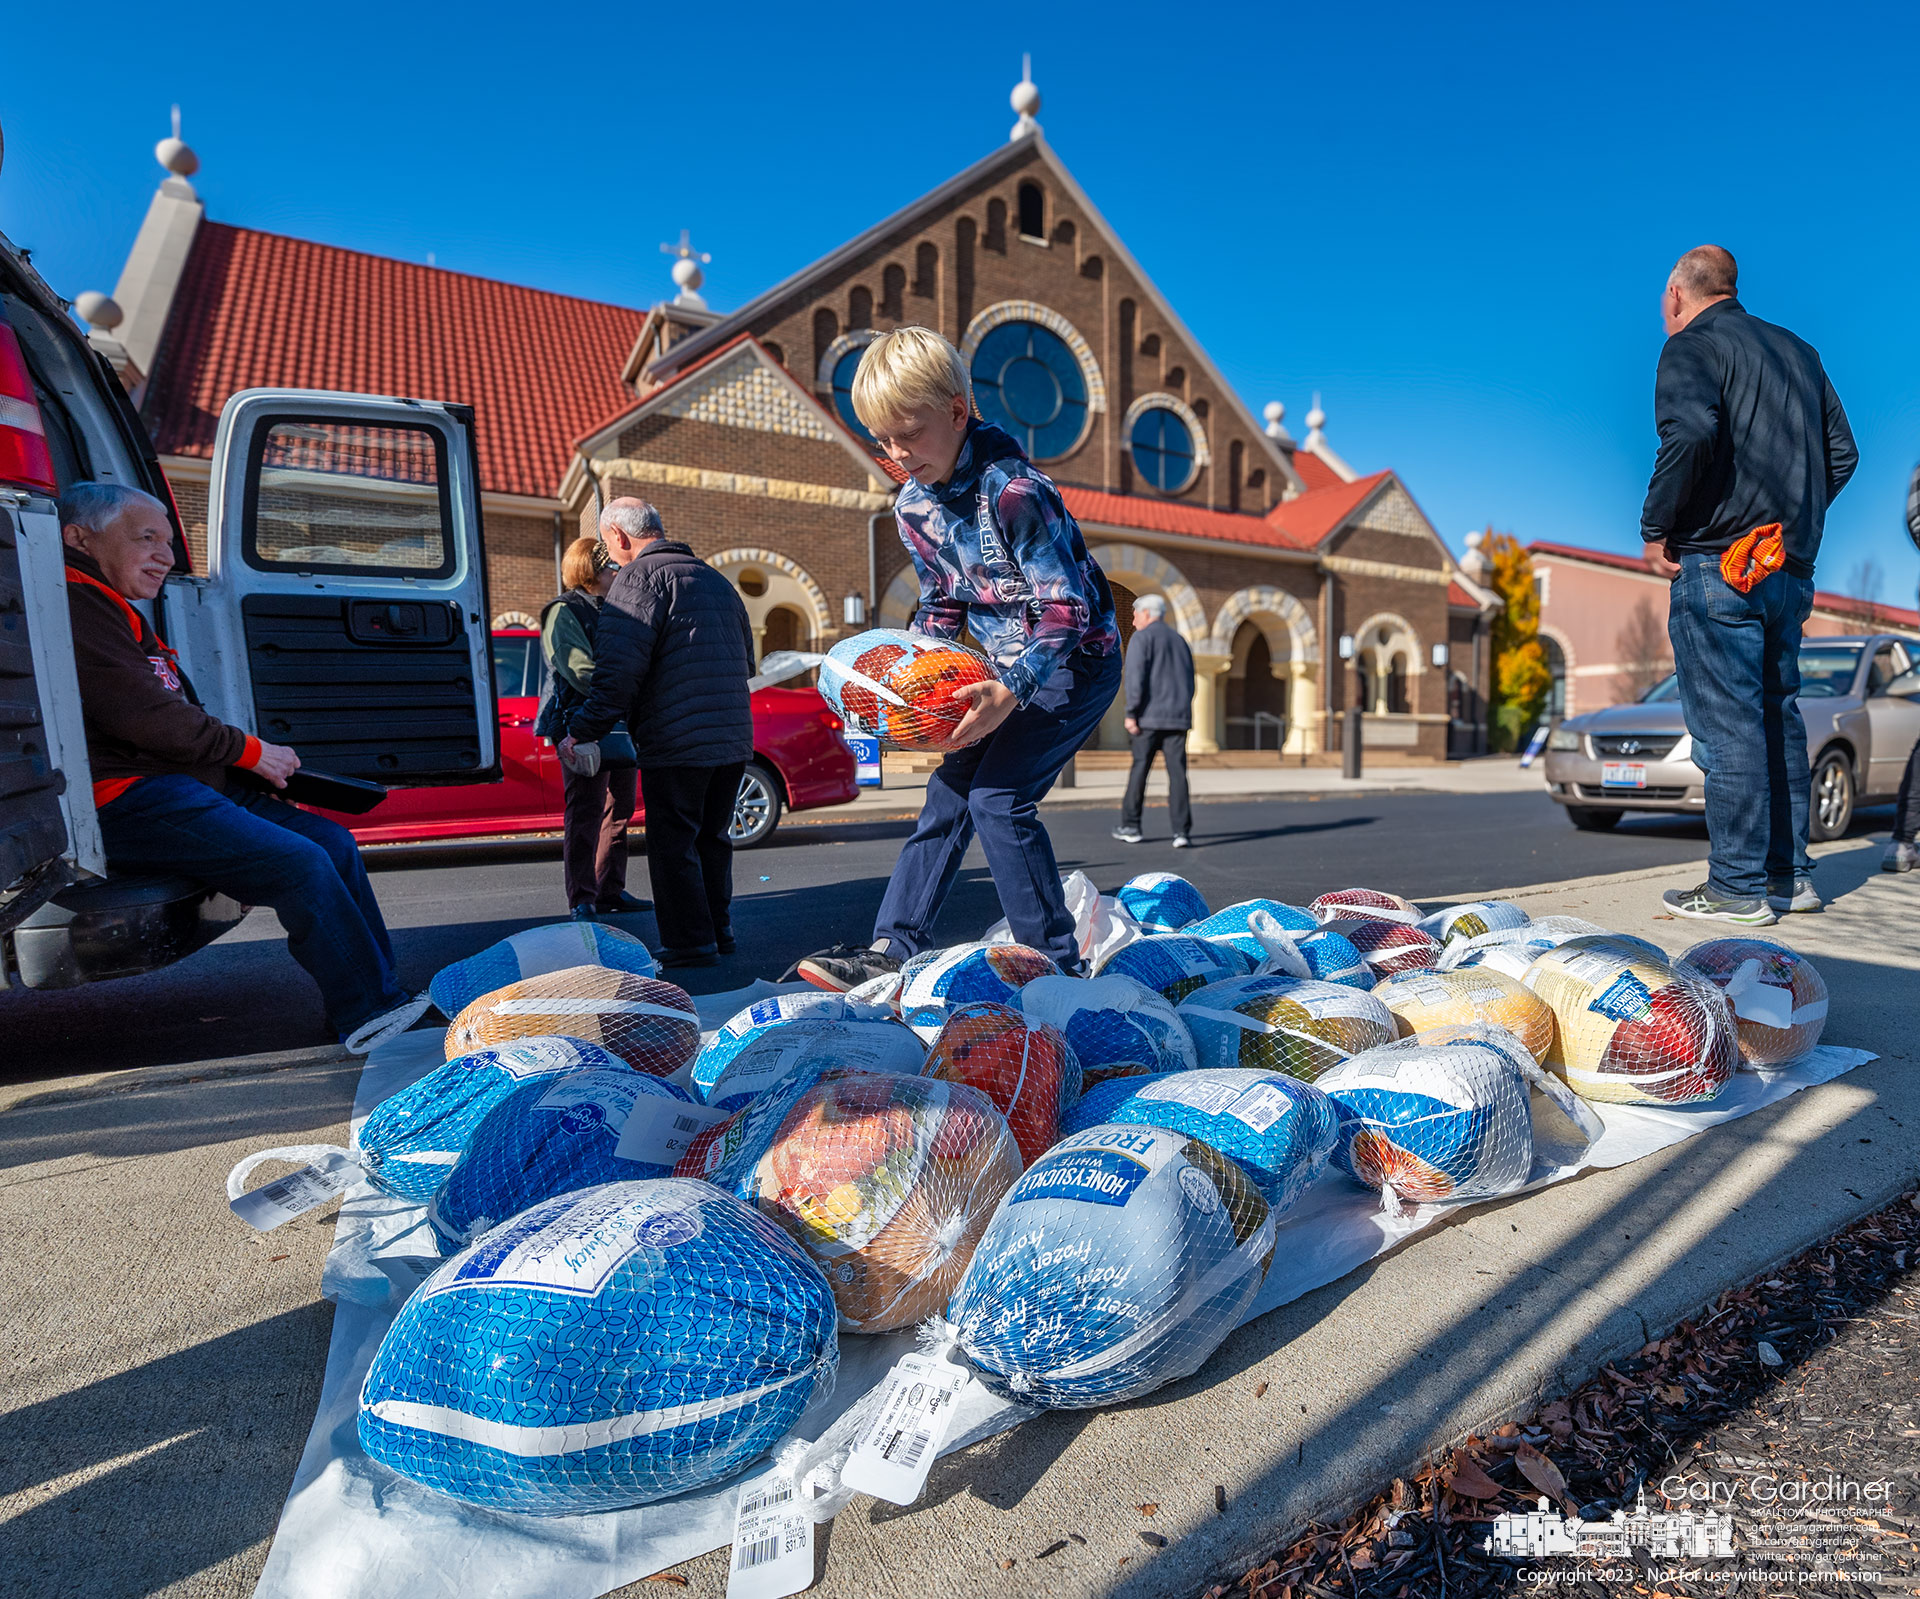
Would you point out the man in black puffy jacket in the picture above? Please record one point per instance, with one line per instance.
(673, 655)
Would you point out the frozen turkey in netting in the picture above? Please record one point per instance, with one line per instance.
(1435, 1121)
(1458, 923)
(1277, 1129)
(773, 1037)
(1389, 949)
(1317, 952)
(1117, 1264)
(1118, 1027)
(1101, 924)
(1161, 902)
(1512, 950)
(1629, 1029)
(605, 1348)
(1370, 904)
(1778, 998)
(936, 980)
(651, 1025)
(1026, 1067)
(546, 1137)
(888, 1183)
(534, 953)
(1274, 1023)
(1234, 926)
(898, 686)
(728, 1154)
(410, 1141)
(1173, 965)
(1426, 1000)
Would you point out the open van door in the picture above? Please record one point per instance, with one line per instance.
(344, 610)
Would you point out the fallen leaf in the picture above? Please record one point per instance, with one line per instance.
(1148, 1510)
(1076, 1538)
(673, 1577)
(1006, 1565)
(1220, 1498)
(1464, 1476)
(1152, 1540)
(272, 1258)
(1053, 1548)
(1260, 1389)
(1541, 1472)
(1674, 1394)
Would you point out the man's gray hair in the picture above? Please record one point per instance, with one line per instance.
(640, 520)
(97, 506)
(1153, 605)
(1706, 272)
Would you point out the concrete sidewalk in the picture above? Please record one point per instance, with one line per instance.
(167, 1362)
(1103, 786)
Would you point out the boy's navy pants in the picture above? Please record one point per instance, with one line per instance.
(994, 788)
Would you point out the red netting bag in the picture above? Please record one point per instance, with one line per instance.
(1390, 949)
(898, 686)
(1025, 1067)
(1779, 1000)
(1372, 903)
(650, 1025)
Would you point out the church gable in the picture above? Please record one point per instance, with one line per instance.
(741, 391)
(1389, 530)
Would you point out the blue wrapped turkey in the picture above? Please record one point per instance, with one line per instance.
(1161, 902)
(1234, 926)
(1173, 965)
(534, 953)
(1276, 1023)
(1117, 1264)
(1278, 1130)
(936, 980)
(606, 1348)
(772, 1038)
(544, 1138)
(1117, 1027)
(410, 1141)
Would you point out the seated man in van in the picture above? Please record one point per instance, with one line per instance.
(180, 792)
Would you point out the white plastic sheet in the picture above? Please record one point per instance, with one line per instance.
(352, 1530)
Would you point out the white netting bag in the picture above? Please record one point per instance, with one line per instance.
(651, 1025)
(1161, 902)
(605, 1348)
(1426, 1000)
(534, 953)
(1631, 1030)
(1779, 999)
(1101, 924)
(1116, 1265)
(1025, 1066)
(1284, 1024)
(1116, 1026)
(898, 686)
(1512, 950)
(774, 1037)
(936, 980)
(888, 1182)
(1475, 919)
(1173, 965)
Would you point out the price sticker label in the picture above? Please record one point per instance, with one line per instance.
(659, 1131)
(273, 1204)
(772, 1541)
(898, 1449)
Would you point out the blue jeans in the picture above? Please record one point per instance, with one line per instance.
(995, 787)
(263, 851)
(1738, 656)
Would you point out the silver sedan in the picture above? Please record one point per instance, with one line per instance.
(1860, 698)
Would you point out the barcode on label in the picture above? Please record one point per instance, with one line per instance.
(757, 1553)
(757, 1502)
(916, 1447)
(684, 1124)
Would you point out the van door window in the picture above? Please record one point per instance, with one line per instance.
(348, 497)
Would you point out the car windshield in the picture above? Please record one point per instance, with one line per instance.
(1826, 670)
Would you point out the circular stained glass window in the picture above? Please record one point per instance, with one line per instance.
(843, 370)
(1026, 380)
(1162, 449)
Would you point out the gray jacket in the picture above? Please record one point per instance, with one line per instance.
(1160, 679)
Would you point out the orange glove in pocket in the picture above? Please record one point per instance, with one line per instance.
(1754, 558)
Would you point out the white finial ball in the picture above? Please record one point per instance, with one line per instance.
(687, 273)
(177, 157)
(1316, 418)
(1475, 539)
(1025, 98)
(1275, 411)
(98, 310)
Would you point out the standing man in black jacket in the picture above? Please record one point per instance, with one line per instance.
(673, 654)
(1753, 448)
(1159, 687)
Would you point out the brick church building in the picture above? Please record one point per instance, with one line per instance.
(1302, 586)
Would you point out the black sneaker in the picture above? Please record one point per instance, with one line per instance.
(841, 968)
(1703, 905)
(626, 905)
(695, 955)
(1791, 894)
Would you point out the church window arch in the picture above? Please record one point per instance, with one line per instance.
(1033, 211)
(1092, 267)
(1035, 375)
(926, 271)
(893, 292)
(860, 307)
(826, 328)
(996, 235)
(1166, 441)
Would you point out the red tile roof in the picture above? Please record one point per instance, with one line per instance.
(1456, 595)
(1314, 472)
(262, 310)
(1305, 521)
(1169, 516)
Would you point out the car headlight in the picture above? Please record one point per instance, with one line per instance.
(1683, 751)
(1564, 739)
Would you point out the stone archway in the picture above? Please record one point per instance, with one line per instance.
(901, 599)
(768, 581)
(1293, 654)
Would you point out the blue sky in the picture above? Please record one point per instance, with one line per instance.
(1453, 222)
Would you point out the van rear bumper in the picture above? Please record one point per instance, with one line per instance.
(121, 927)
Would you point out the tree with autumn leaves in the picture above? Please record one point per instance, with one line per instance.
(1521, 679)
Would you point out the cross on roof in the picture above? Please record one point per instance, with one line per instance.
(684, 250)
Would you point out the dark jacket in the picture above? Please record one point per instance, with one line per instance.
(1751, 432)
(672, 655)
(1159, 679)
(141, 714)
(567, 627)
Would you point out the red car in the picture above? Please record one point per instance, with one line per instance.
(799, 761)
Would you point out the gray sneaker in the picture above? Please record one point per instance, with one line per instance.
(1702, 904)
(1796, 896)
(1900, 857)
(1128, 835)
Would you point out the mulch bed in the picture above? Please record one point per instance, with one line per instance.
(1811, 1372)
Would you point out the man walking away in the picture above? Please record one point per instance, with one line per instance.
(1159, 687)
(674, 650)
(1903, 855)
(1753, 448)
